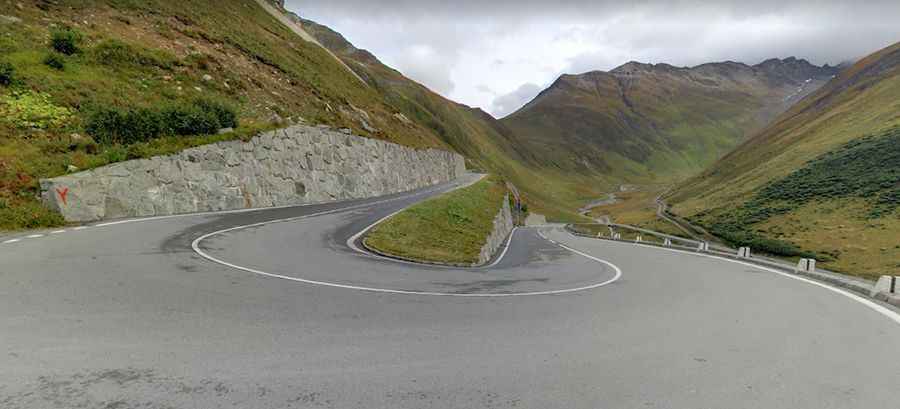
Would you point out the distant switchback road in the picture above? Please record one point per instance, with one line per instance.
(275, 310)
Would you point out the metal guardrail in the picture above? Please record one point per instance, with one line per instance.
(806, 267)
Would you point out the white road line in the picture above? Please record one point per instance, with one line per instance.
(57, 232)
(196, 246)
(427, 293)
(505, 247)
(80, 228)
(887, 312)
(34, 236)
(10, 241)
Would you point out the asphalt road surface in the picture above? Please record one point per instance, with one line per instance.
(284, 314)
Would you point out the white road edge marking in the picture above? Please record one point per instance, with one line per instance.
(57, 232)
(10, 241)
(887, 312)
(196, 247)
(34, 236)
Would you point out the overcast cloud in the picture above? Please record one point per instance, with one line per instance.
(497, 55)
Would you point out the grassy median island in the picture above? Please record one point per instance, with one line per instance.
(450, 228)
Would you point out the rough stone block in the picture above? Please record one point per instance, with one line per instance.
(299, 164)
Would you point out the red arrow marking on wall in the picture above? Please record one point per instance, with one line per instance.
(62, 194)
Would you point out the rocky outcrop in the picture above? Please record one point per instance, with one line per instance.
(296, 165)
(503, 226)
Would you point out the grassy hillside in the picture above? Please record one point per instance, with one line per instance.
(487, 143)
(821, 180)
(648, 123)
(450, 228)
(88, 82)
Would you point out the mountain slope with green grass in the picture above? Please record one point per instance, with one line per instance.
(823, 179)
(89, 82)
(644, 123)
(488, 144)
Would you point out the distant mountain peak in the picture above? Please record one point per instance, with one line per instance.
(635, 67)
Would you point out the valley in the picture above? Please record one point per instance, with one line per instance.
(710, 137)
(296, 204)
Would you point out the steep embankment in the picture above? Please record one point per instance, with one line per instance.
(90, 82)
(823, 178)
(642, 122)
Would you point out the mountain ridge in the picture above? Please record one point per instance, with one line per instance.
(623, 119)
(804, 180)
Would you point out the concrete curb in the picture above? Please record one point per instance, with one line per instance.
(887, 289)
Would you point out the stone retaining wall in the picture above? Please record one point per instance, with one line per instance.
(503, 226)
(296, 165)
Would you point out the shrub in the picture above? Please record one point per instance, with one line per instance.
(7, 73)
(65, 41)
(115, 52)
(119, 126)
(55, 61)
(225, 114)
(189, 120)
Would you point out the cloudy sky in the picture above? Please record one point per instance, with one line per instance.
(498, 54)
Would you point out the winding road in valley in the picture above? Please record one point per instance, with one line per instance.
(274, 308)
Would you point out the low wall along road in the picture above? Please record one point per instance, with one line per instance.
(503, 226)
(296, 165)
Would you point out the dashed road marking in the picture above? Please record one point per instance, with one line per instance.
(57, 232)
(34, 236)
(10, 241)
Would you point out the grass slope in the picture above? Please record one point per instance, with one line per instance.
(157, 53)
(821, 179)
(450, 228)
(644, 123)
(488, 144)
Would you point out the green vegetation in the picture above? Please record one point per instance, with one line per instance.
(65, 41)
(128, 126)
(116, 53)
(7, 74)
(658, 124)
(33, 110)
(55, 61)
(822, 178)
(142, 78)
(488, 144)
(868, 167)
(450, 228)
